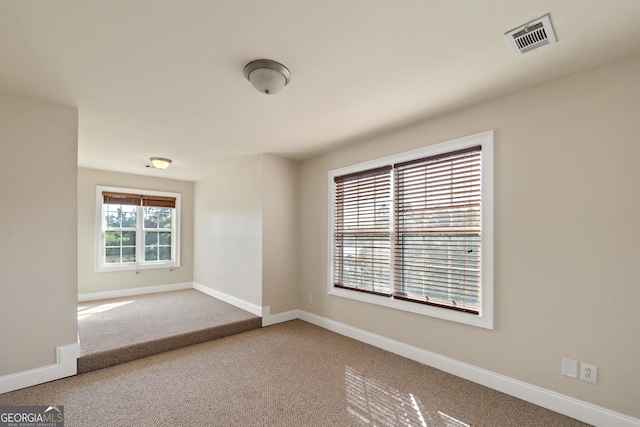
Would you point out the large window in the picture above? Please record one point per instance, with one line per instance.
(414, 231)
(136, 229)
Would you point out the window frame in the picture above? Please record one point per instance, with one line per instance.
(485, 318)
(140, 264)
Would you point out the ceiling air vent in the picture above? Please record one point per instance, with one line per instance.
(531, 35)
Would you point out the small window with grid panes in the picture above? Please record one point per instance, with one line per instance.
(137, 229)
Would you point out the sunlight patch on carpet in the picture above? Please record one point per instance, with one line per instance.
(374, 403)
(86, 312)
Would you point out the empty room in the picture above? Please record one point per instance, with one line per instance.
(301, 213)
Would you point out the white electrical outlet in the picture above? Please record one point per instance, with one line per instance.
(569, 368)
(310, 299)
(589, 373)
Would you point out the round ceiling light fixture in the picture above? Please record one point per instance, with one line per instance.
(160, 162)
(267, 76)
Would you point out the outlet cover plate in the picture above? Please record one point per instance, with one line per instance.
(589, 373)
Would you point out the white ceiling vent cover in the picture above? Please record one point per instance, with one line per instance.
(531, 35)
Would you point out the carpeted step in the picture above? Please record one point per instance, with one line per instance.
(116, 356)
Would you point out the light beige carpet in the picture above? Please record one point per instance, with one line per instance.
(120, 330)
(291, 374)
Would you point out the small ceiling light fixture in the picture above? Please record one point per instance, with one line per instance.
(267, 76)
(160, 162)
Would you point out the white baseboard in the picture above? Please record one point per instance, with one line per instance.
(265, 312)
(133, 291)
(574, 408)
(268, 319)
(65, 366)
(229, 299)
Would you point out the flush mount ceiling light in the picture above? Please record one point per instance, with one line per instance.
(267, 76)
(160, 162)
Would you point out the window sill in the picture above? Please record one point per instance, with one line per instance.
(481, 321)
(136, 267)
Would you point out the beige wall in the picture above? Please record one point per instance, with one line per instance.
(279, 234)
(89, 281)
(566, 260)
(228, 230)
(38, 261)
(246, 222)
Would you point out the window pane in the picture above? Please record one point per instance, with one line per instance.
(165, 238)
(128, 238)
(113, 219)
(164, 217)
(129, 219)
(165, 253)
(150, 217)
(150, 238)
(151, 253)
(113, 238)
(112, 255)
(129, 254)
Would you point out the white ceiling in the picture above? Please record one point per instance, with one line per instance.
(164, 77)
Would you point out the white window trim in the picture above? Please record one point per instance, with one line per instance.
(485, 318)
(140, 265)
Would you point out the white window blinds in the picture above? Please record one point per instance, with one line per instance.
(438, 230)
(362, 256)
(419, 240)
